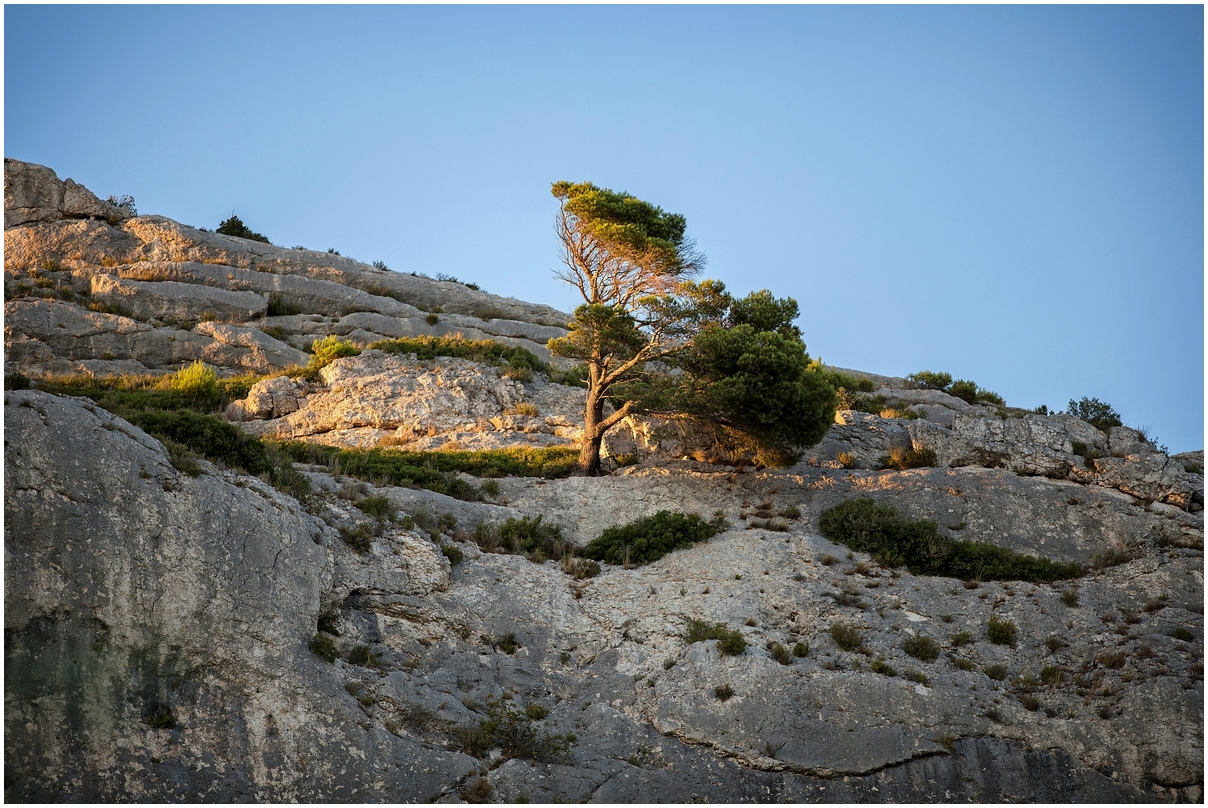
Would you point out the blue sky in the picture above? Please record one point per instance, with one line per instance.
(1011, 194)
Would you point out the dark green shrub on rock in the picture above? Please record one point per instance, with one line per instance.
(648, 539)
(893, 541)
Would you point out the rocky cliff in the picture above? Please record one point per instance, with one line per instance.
(188, 632)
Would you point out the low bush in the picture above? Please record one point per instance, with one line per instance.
(999, 631)
(1098, 414)
(363, 656)
(961, 388)
(1070, 597)
(410, 469)
(723, 692)
(879, 665)
(281, 306)
(196, 381)
(161, 718)
(1052, 674)
(921, 647)
(780, 653)
(324, 647)
(729, 641)
(329, 349)
(893, 541)
(648, 539)
(212, 438)
(452, 552)
(476, 350)
(801, 649)
(516, 735)
(996, 672)
(847, 636)
(1183, 633)
(234, 226)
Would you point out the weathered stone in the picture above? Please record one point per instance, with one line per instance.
(268, 398)
(34, 193)
(177, 302)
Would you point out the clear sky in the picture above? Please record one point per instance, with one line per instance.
(1013, 194)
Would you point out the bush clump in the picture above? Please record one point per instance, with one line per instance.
(648, 539)
(961, 388)
(729, 641)
(486, 351)
(1098, 414)
(999, 631)
(196, 381)
(846, 636)
(893, 541)
(901, 458)
(329, 349)
(212, 438)
(234, 226)
(921, 647)
(324, 647)
(515, 733)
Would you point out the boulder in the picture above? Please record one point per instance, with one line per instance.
(34, 193)
(268, 398)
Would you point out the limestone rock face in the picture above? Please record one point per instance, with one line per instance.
(268, 398)
(177, 302)
(161, 621)
(58, 337)
(34, 193)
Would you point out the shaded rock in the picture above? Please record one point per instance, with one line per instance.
(268, 398)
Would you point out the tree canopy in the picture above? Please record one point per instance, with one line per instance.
(738, 365)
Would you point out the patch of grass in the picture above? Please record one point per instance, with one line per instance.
(918, 677)
(963, 663)
(360, 538)
(212, 438)
(1070, 597)
(723, 692)
(275, 331)
(729, 641)
(894, 541)
(1052, 674)
(999, 631)
(1110, 557)
(789, 512)
(648, 539)
(961, 638)
(847, 636)
(527, 536)
(409, 469)
(921, 647)
(801, 649)
(901, 458)
(328, 349)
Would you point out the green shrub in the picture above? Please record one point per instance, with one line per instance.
(378, 506)
(507, 643)
(961, 388)
(963, 663)
(1097, 413)
(1000, 632)
(729, 641)
(933, 381)
(648, 539)
(432, 318)
(961, 638)
(234, 226)
(995, 672)
(212, 438)
(482, 350)
(453, 553)
(1070, 597)
(359, 538)
(801, 649)
(196, 380)
(161, 718)
(882, 667)
(917, 676)
(411, 469)
(16, 381)
(1183, 633)
(363, 656)
(1051, 674)
(847, 636)
(893, 541)
(921, 647)
(516, 735)
(329, 349)
(780, 653)
(536, 711)
(324, 647)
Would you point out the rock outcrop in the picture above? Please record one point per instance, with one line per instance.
(179, 631)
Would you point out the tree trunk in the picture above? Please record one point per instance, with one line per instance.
(593, 435)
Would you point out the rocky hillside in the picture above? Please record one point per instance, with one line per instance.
(320, 631)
